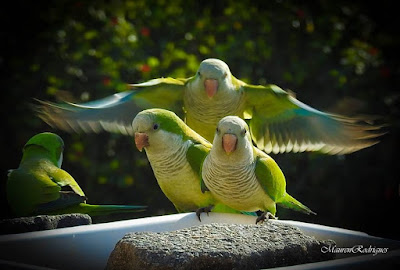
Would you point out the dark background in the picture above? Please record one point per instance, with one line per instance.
(337, 56)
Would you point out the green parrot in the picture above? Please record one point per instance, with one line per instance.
(176, 153)
(40, 186)
(243, 177)
(278, 122)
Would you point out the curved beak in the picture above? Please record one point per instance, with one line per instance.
(211, 87)
(141, 140)
(229, 142)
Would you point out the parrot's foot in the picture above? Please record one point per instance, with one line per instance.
(206, 209)
(265, 216)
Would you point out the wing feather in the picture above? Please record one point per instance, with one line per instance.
(280, 123)
(116, 112)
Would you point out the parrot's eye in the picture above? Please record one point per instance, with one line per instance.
(198, 73)
(244, 131)
(217, 130)
(224, 76)
(155, 127)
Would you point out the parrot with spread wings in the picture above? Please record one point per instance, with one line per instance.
(278, 121)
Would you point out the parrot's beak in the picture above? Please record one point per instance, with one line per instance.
(141, 140)
(211, 87)
(229, 142)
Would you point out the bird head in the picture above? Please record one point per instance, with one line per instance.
(213, 77)
(232, 139)
(156, 128)
(50, 142)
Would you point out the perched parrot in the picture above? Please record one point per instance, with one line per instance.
(176, 153)
(278, 121)
(40, 186)
(243, 177)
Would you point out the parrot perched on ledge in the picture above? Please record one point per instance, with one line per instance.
(278, 122)
(175, 153)
(243, 177)
(39, 186)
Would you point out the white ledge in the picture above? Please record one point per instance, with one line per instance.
(89, 246)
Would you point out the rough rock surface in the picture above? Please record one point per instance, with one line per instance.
(42, 222)
(218, 246)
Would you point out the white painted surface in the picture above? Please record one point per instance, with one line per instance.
(89, 246)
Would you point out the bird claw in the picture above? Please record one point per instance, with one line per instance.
(265, 216)
(206, 209)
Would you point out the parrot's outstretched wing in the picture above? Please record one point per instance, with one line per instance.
(281, 123)
(115, 113)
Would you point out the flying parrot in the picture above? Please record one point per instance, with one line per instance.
(40, 186)
(176, 153)
(243, 177)
(278, 121)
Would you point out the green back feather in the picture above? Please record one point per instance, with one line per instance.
(195, 156)
(273, 182)
(270, 176)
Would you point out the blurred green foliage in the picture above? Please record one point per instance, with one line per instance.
(338, 56)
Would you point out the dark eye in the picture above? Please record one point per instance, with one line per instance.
(155, 127)
(224, 76)
(244, 131)
(198, 73)
(217, 130)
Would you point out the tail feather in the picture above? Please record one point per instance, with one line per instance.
(99, 210)
(290, 202)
